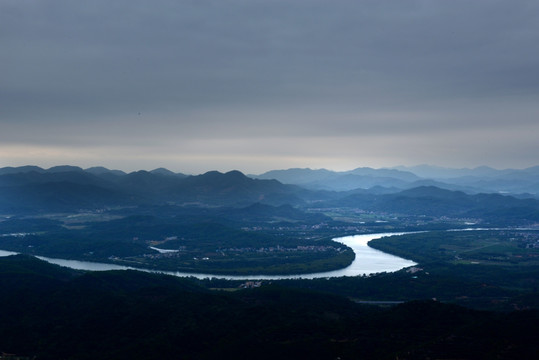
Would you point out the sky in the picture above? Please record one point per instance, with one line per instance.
(258, 85)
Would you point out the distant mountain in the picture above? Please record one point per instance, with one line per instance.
(163, 171)
(99, 170)
(298, 176)
(483, 178)
(234, 188)
(77, 177)
(20, 169)
(437, 172)
(384, 173)
(478, 180)
(351, 181)
(68, 188)
(442, 185)
(433, 201)
(323, 179)
(364, 178)
(58, 196)
(64, 168)
(74, 188)
(146, 185)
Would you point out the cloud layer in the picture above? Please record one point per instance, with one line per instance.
(255, 85)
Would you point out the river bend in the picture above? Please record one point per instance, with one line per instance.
(367, 261)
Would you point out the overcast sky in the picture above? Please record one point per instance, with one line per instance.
(258, 85)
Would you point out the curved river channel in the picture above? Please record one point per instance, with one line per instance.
(367, 261)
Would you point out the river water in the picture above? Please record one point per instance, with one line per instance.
(367, 261)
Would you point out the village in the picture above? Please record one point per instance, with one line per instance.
(182, 251)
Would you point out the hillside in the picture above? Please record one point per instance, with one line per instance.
(132, 315)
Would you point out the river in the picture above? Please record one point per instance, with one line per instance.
(367, 261)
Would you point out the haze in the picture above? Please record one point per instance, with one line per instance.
(258, 85)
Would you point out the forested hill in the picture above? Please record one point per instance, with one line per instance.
(71, 188)
(48, 312)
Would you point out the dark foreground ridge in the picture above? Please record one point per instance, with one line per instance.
(48, 312)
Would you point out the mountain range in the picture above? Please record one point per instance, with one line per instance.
(67, 188)
(31, 189)
(483, 179)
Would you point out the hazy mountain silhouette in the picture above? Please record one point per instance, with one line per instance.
(163, 171)
(478, 180)
(323, 179)
(433, 201)
(68, 188)
(100, 170)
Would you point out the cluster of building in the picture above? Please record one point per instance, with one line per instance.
(278, 248)
(526, 239)
(250, 285)
(166, 255)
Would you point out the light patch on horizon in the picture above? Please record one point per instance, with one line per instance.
(259, 154)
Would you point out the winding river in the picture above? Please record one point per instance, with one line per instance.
(367, 261)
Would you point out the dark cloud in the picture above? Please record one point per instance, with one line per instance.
(127, 73)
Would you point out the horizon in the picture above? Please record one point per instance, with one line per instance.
(396, 167)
